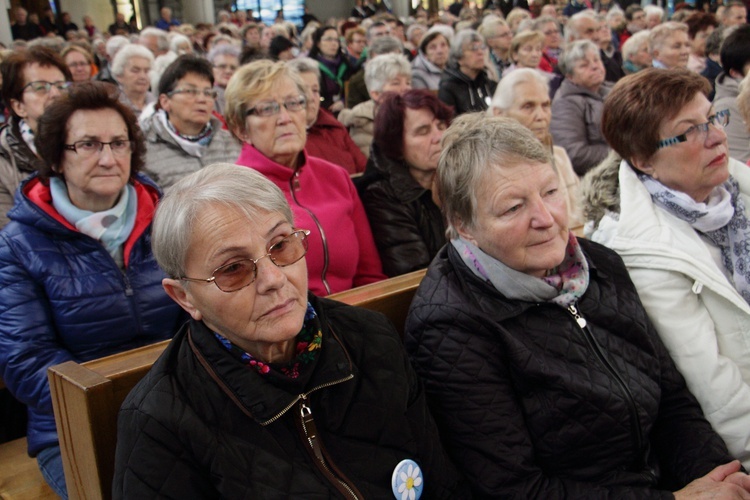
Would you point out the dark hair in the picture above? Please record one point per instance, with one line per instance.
(13, 67)
(735, 50)
(52, 129)
(713, 42)
(700, 21)
(631, 10)
(389, 121)
(250, 54)
(427, 39)
(315, 50)
(182, 66)
(278, 45)
(639, 103)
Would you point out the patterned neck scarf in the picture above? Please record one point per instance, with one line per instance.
(309, 341)
(194, 145)
(721, 219)
(27, 134)
(563, 286)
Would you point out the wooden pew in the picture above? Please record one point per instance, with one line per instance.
(86, 397)
(20, 478)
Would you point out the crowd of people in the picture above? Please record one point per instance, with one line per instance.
(145, 176)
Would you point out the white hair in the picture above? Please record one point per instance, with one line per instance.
(126, 53)
(381, 69)
(505, 94)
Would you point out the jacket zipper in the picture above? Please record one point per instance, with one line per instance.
(313, 441)
(294, 182)
(304, 396)
(596, 348)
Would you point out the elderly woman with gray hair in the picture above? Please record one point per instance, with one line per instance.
(669, 45)
(385, 73)
(524, 96)
(545, 376)
(225, 59)
(131, 67)
(269, 391)
(577, 107)
(465, 84)
(327, 137)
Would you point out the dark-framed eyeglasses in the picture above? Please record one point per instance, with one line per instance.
(271, 108)
(242, 273)
(194, 93)
(120, 147)
(698, 131)
(43, 87)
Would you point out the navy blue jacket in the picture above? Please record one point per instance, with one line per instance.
(63, 297)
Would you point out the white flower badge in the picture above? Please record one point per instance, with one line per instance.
(407, 481)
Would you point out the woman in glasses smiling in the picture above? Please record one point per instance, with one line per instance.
(77, 277)
(681, 225)
(266, 108)
(32, 79)
(269, 391)
(183, 136)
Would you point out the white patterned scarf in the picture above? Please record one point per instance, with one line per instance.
(27, 134)
(721, 219)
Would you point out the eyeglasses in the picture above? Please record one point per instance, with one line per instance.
(699, 131)
(329, 39)
(551, 32)
(42, 87)
(226, 67)
(119, 147)
(271, 108)
(241, 273)
(194, 93)
(476, 47)
(79, 64)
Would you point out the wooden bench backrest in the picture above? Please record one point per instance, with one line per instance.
(86, 397)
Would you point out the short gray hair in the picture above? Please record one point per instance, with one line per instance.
(162, 40)
(539, 23)
(384, 45)
(573, 53)
(634, 43)
(126, 53)
(305, 65)
(661, 32)
(240, 188)
(571, 27)
(653, 9)
(505, 94)
(223, 49)
(381, 69)
(473, 145)
(176, 40)
(462, 38)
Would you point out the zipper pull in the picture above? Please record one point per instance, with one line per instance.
(305, 414)
(579, 319)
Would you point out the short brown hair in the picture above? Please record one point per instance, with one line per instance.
(13, 67)
(52, 130)
(641, 102)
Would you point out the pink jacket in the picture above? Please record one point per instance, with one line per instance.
(342, 252)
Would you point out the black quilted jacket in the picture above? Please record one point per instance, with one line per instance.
(406, 224)
(531, 405)
(203, 425)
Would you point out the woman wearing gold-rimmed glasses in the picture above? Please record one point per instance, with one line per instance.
(78, 280)
(269, 391)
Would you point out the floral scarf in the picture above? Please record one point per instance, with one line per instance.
(563, 286)
(721, 219)
(309, 342)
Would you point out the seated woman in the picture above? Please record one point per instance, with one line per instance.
(77, 277)
(635, 53)
(545, 376)
(266, 104)
(465, 84)
(577, 107)
(384, 73)
(131, 67)
(700, 26)
(407, 225)
(669, 45)
(79, 61)
(681, 230)
(524, 96)
(33, 79)
(525, 51)
(327, 137)
(225, 59)
(183, 136)
(269, 391)
(334, 67)
(428, 66)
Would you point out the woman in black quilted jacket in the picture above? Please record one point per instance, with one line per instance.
(543, 371)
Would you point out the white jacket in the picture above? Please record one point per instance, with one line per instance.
(702, 319)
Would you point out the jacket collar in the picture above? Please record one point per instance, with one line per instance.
(13, 144)
(255, 395)
(397, 176)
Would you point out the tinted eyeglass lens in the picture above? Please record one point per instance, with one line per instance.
(289, 250)
(235, 275)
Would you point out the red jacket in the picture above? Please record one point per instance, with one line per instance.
(329, 139)
(341, 252)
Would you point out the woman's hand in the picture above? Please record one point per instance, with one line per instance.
(724, 482)
(336, 107)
